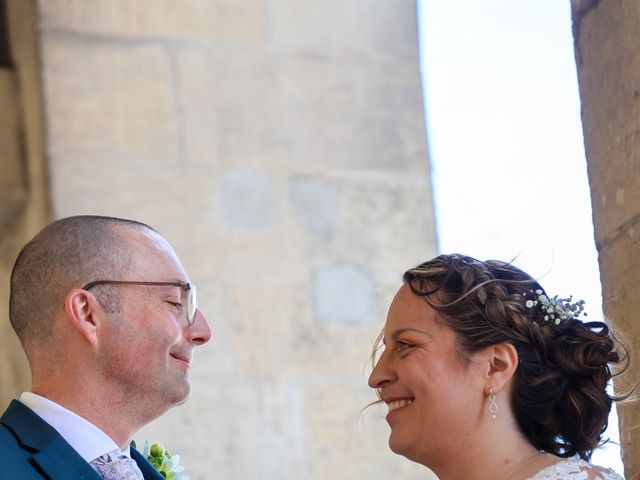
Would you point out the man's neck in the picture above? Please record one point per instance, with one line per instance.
(115, 418)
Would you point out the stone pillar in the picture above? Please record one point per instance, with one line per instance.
(607, 36)
(24, 207)
(279, 145)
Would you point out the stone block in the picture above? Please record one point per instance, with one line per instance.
(250, 430)
(318, 113)
(14, 371)
(611, 127)
(606, 36)
(106, 103)
(619, 271)
(15, 375)
(391, 209)
(314, 204)
(12, 155)
(23, 211)
(238, 21)
(315, 28)
(342, 293)
(348, 443)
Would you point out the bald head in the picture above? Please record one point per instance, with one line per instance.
(66, 254)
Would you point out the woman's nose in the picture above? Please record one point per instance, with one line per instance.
(381, 373)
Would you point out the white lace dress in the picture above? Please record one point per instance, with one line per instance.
(574, 469)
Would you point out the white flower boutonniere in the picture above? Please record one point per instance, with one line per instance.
(168, 465)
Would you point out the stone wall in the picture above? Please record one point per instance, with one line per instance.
(607, 35)
(279, 145)
(24, 203)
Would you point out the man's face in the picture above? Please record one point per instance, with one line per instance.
(147, 347)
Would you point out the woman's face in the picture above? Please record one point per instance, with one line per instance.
(435, 397)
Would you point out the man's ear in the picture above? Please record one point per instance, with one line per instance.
(83, 313)
(503, 361)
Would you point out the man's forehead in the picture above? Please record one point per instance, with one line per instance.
(151, 250)
(139, 236)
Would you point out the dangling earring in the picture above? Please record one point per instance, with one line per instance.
(493, 406)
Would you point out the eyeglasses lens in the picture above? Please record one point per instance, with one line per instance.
(192, 303)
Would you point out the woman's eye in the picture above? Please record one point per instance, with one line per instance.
(402, 346)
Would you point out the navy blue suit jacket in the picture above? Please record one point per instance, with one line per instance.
(31, 449)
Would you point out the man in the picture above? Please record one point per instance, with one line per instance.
(109, 320)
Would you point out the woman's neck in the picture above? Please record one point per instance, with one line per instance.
(506, 455)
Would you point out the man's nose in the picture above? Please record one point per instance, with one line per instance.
(199, 332)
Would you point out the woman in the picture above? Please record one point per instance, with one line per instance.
(486, 377)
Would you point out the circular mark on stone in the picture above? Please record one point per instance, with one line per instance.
(248, 201)
(314, 205)
(343, 293)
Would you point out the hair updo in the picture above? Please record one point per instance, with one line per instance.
(558, 396)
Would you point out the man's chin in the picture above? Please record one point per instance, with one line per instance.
(182, 393)
(184, 399)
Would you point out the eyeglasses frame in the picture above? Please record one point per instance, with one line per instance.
(189, 287)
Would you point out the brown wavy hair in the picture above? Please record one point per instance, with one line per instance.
(559, 390)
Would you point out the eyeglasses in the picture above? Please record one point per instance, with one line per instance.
(192, 292)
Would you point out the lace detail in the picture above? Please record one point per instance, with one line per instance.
(573, 469)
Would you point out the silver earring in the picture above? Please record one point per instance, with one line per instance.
(493, 406)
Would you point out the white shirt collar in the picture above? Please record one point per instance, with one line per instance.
(85, 438)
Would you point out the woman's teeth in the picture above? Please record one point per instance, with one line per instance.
(396, 404)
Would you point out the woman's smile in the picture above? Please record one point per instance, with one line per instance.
(396, 404)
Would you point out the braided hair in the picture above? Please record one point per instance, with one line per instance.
(559, 390)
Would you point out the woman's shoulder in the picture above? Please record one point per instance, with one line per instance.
(575, 469)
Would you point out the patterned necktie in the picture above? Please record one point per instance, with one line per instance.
(116, 465)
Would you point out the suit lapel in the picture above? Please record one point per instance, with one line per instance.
(60, 462)
(51, 453)
(148, 470)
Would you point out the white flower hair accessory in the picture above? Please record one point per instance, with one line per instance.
(555, 309)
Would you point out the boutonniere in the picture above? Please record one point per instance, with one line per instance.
(168, 465)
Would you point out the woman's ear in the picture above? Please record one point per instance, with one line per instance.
(503, 361)
(83, 309)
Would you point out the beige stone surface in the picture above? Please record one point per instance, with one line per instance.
(12, 180)
(606, 37)
(237, 21)
(112, 103)
(14, 372)
(354, 29)
(33, 210)
(273, 99)
(11, 171)
(341, 433)
(621, 302)
(608, 66)
(280, 147)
